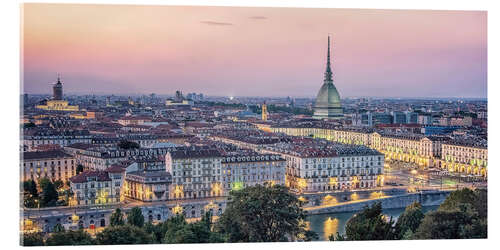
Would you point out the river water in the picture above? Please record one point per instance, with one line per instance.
(327, 224)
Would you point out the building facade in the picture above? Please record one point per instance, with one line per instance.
(196, 173)
(54, 165)
(465, 157)
(240, 171)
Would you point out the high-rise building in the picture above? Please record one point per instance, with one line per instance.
(327, 105)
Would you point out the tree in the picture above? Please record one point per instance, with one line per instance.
(58, 228)
(337, 237)
(370, 224)
(116, 218)
(124, 234)
(49, 195)
(135, 217)
(155, 231)
(262, 214)
(69, 238)
(409, 220)
(173, 225)
(30, 194)
(463, 215)
(58, 184)
(179, 231)
(79, 168)
(124, 144)
(29, 188)
(32, 239)
(456, 198)
(458, 223)
(29, 125)
(182, 235)
(480, 203)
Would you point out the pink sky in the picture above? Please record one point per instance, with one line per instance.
(125, 49)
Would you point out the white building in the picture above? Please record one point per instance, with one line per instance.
(196, 173)
(240, 171)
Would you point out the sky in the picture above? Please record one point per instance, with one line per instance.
(249, 51)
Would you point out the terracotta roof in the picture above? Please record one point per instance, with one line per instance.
(115, 169)
(83, 176)
(45, 155)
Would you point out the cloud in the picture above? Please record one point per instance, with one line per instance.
(258, 17)
(215, 23)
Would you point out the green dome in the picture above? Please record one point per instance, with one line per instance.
(327, 105)
(328, 96)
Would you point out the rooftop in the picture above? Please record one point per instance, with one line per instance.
(45, 155)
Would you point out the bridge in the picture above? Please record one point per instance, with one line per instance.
(402, 200)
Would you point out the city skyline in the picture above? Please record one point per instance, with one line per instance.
(221, 51)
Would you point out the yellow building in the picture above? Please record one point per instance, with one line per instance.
(466, 158)
(58, 105)
(422, 150)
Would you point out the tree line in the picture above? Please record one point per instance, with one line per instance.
(463, 215)
(272, 214)
(253, 214)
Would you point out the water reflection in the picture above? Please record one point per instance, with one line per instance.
(330, 227)
(329, 200)
(327, 224)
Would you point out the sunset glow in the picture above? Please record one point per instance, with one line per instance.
(240, 51)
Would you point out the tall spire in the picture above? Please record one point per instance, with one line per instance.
(328, 72)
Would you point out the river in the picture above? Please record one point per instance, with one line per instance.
(327, 224)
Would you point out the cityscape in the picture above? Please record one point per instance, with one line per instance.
(184, 166)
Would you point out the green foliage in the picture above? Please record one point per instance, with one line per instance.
(124, 234)
(369, 224)
(463, 215)
(456, 198)
(135, 217)
(173, 225)
(30, 194)
(29, 188)
(459, 223)
(262, 214)
(69, 238)
(79, 168)
(310, 236)
(32, 239)
(179, 231)
(49, 195)
(338, 237)
(58, 228)
(58, 184)
(124, 144)
(29, 125)
(156, 231)
(408, 235)
(481, 203)
(409, 220)
(116, 218)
